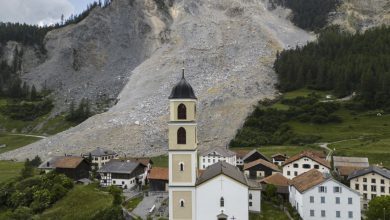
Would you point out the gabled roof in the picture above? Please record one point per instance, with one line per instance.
(221, 168)
(98, 152)
(346, 171)
(262, 162)
(276, 179)
(221, 151)
(241, 153)
(309, 154)
(253, 152)
(308, 180)
(118, 166)
(159, 173)
(279, 155)
(350, 161)
(65, 162)
(143, 160)
(372, 169)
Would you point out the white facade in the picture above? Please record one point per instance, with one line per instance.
(107, 180)
(210, 159)
(101, 160)
(370, 186)
(254, 200)
(234, 194)
(302, 165)
(328, 200)
(277, 162)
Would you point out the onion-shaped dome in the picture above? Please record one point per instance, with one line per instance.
(182, 90)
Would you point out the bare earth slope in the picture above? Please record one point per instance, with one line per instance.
(228, 47)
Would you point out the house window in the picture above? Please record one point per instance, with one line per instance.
(250, 195)
(250, 204)
(311, 212)
(123, 182)
(337, 214)
(114, 182)
(365, 180)
(322, 199)
(181, 203)
(364, 187)
(288, 173)
(323, 213)
(373, 180)
(316, 166)
(349, 200)
(373, 188)
(337, 200)
(222, 202)
(350, 214)
(322, 189)
(357, 186)
(181, 166)
(181, 111)
(337, 189)
(311, 199)
(364, 195)
(373, 196)
(295, 165)
(181, 136)
(204, 166)
(295, 173)
(382, 181)
(306, 166)
(204, 160)
(382, 189)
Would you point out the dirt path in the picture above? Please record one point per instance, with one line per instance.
(28, 135)
(330, 151)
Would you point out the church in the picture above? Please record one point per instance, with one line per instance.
(220, 192)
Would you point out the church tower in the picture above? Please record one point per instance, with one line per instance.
(183, 151)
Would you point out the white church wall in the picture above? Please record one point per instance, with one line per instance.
(235, 196)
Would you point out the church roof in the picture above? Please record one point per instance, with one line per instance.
(182, 90)
(222, 168)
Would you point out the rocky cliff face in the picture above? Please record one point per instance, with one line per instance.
(227, 46)
(359, 15)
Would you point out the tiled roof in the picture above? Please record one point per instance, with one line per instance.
(98, 152)
(221, 151)
(252, 152)
(61, 162)
(241, 153)
(276, 179)
(263, 162)
(307, 180)
(221, 168)
(346, 171)
(279, 155)
(350, 161)
(309, 154)
(118, 166)
(375, 169)
(159, 173)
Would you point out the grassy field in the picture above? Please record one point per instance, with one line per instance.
(268, 212)
(83, 202)
(160, 161)
(9, 170)
(133, 203)
(15, 141)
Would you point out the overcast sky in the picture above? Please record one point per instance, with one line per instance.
(40, 11)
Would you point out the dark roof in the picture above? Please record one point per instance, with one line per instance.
(98, 152)
(182, 90)
(307, 180)
(118, 166)
(222, 168)
(262, 162)
(220, 150)
(309, 154)
(379, 170)
(253, 152)
(68, 162)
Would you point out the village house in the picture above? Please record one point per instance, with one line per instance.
(101, 156)
(316, 195)
(240, 154)
(158, 179)
(370, 182)
(73, 167)
(259, 169)
(303, 162)
(278, 180)
(279, 159)
(215, 155)
(254, 155)
(124, 174)
(344, 166)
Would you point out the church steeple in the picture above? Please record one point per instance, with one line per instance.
(182, 145)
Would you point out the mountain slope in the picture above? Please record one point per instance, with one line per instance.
(227, 46)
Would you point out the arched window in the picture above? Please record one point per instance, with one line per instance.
(181, 203)
(181, 166)
(181, 136)
(250, 195)
(181, 111)
(222, 202)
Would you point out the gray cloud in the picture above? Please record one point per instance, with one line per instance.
(34, 11)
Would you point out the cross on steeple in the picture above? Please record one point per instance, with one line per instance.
(233, 218)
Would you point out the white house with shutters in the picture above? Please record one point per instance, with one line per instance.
(215, 155)
(317, 195)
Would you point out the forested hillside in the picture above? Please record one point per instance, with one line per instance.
(343, 63)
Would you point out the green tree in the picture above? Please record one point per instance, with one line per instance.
(379, 208)
(27, 171)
